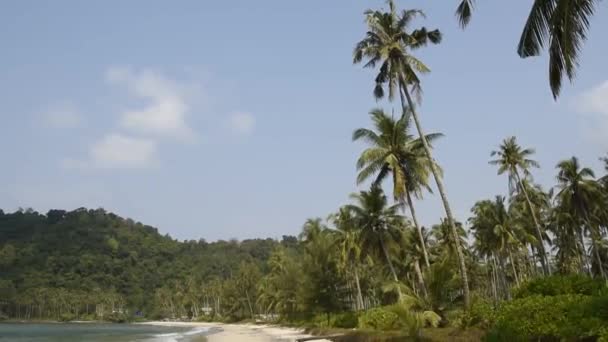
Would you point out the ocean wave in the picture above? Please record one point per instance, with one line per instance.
(196, 331)
(175, 336)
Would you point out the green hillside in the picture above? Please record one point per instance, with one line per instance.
(68, 263)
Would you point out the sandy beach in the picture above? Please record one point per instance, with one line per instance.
(245, 332)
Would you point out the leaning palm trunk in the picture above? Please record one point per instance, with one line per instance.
(513, 267)
(249, 303)
(410, 203)
(358, 285)
(420, 278)
(541, 246)
(390, 266)
(446, 205)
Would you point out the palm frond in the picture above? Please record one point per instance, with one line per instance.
(366, 135)
(536, 29)
(464, 12)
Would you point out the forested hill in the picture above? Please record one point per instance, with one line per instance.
(92, 257)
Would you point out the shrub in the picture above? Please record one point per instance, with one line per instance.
(379, 319)
(66, 317)
(560, 317)
(346, 320)
(412, 321)
(561, 285)
(117, 317)
(482, 314)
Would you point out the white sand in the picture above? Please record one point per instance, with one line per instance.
(244, 332)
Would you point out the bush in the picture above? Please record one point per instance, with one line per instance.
(379, 319)
(346, 320)
(482, 314)
(117, 318)
(547, 318)
(561, 285)
(66, 317)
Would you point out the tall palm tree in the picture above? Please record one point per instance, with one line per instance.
(569, 252)
(496, 235)
(396, 152)
(442, 234)
(412, 256)
(376, 221)
(513, 159)
(579, 194)
(519, 211)
(388, 43)
(560, 24)
(347, 239)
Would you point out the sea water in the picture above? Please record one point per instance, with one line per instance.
(72, 332)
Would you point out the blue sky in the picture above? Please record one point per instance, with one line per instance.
(222, 119)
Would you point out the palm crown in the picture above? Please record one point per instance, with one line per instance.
(394, 150)
(512, 158)
(388, 42)
(577, 189)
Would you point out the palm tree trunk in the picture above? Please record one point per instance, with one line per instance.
(541, 246)
(496, 276)
(410, 203)
(533, 270)
(446, 205)
(502, 276)
(249, 303)
(420, 278)
(513, 267)
(586, 263)
(493, 277)
(390, 266)
(359, 295)
(599, 259)
(595, 246)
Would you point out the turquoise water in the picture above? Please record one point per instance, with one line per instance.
(68, 332)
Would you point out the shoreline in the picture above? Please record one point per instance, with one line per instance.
(242, 332)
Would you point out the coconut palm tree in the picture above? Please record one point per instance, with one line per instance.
(394, 151)
(519, 211)
(410, 258)
(312, 229)
(388, 43)
(569, 252)
(376, 221)
(496, 235)
(579, 194)
(514, 160)
(347, 240)
(560, 24)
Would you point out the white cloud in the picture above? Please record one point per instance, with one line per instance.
(160, 110)
(63, 115)
(594, 103)
(242, 122)
(166, 109)
(119, 151)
